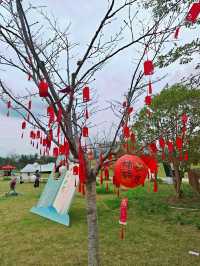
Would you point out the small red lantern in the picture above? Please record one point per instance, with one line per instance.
(148, 68)
(186, 157)
(130, 171)
(85, 132)
(193, 12)
(148, 100)
(86, 94)
(43, 88)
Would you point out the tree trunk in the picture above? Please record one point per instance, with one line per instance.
(93, 239)
(177, 181)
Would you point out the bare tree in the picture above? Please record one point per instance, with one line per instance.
(27, 52)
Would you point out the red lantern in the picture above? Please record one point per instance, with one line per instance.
(43, 88)
(55, 152)
(148, 68)
(75, 170)
(193, 12)
(85, 132)
(130, 171)
(148, 100)
(86, 94)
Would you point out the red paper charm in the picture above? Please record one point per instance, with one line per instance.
(43, 88)
(86, 94)
(193, 12)
(148, 100)
(85, 132)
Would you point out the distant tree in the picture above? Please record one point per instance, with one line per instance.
(165, 121)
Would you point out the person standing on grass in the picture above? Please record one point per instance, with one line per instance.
(37, 179)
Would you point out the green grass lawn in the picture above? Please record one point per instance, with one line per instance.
(156, 234)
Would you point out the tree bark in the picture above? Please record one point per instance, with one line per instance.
(177, 180)
(93, 239)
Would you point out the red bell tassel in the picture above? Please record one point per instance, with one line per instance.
(155, 186)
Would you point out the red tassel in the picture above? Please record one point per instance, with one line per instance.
(122, 232)
(86, 113)
(29, 105)
(28, 117)
(184, 119)
(150, 88)
(59, 116)
(29, 76)
(43, 88)
(155, 186)
(186, 157)
(176, 34)
(148, 68)
(86, 94)
(193, 13)
(162, 142)
(51, 114)
(179, 143)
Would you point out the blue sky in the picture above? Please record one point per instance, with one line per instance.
(110, 83)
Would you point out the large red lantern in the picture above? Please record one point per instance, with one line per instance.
(130, 171)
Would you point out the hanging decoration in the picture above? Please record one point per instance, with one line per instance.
(148, 100)
(51, 114)
(85, 131)
(43, 88)
(23, 128)
(55, 152)
(148, 67)
(193, 13)
(123, 217)
(130, 171)
(86, 94)
(8, 107)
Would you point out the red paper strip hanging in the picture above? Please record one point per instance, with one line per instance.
(43, 88)
(55, 152)
(126, 132)
(148, 68)
(85, 132)
(186, 157)
(123, 216)
(170, 146)
(51, 114)
(193, 13)
(23, 124)
(176, 34)
(86, 94)
(179, 143)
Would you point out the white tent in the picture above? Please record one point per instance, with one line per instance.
(28, 171)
